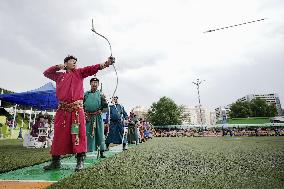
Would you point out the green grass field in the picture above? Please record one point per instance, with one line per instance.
(217, 162)
(13, 155)
(252, 120)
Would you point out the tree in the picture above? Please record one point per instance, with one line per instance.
(271, 110)
(165, 112)
(255, 108)
(258, 107)
(240, 110)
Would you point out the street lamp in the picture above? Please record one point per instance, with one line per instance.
(197, 83)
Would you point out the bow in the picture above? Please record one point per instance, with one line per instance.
(93, 30)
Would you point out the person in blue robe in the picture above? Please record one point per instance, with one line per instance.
(118, 118)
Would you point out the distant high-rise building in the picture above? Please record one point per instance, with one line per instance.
(222, 112)
(272, 99)
(140, 111)
(192, 116)
(189, 116)
(213, 118)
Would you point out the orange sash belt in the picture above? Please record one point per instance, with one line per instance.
(90, 114)
(71, 107)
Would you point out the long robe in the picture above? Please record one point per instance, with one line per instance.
(132, 131)
(94, 123)
(105, 117)
(116, 127)
(69, 88)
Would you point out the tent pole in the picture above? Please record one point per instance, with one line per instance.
(22, 122)
(35, 117)
(1, 100)
(14, 119)
(30, 120)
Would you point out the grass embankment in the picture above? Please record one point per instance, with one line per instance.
(253, 120)
(14, 156)
(247, 162)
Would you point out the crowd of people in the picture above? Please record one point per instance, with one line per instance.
(217, 132)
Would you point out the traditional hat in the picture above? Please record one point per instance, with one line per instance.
(94, 79)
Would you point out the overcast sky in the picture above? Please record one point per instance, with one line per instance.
(159, 45)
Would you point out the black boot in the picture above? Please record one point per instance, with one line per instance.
(102, 154)
(107, 147)
(123, 146)
(80, 161)
(55, 164)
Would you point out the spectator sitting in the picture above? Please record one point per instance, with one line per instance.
(39, 123)
(10, 123)
(46, 125)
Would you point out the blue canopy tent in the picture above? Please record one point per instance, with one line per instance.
(43, 98)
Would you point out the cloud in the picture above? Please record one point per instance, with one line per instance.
(159, 46)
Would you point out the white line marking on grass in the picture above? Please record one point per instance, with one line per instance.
(116, 151)
(91, 156)
(26, 181)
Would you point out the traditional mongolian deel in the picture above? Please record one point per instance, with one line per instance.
(116, 127)
(94, 123)
(132, 130)
(69, 91)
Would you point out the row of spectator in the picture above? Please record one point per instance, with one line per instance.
(218, 132)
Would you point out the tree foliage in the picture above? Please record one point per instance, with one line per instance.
(165, 112)
(255, 108)
(240, 109)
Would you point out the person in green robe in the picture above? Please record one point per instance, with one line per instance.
(94, 105)
(133, 129)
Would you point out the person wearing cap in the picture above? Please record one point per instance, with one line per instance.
(118, 117)
(69, 122)
(94, 105)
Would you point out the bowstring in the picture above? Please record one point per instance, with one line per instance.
(93, 29)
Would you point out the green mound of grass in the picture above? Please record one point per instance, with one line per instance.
(220, 162)
(251, 120)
